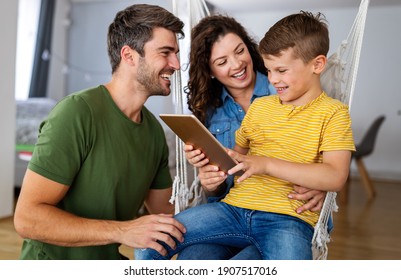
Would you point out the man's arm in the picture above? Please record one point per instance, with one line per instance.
(157, 201)
(37, 217)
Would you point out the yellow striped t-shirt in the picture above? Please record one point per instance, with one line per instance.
(292, 133)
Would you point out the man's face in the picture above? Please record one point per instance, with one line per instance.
(159, 63)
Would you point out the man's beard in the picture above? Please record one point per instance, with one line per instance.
(150, 79)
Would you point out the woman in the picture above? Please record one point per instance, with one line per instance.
(226, 74)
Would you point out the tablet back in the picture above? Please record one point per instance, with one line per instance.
(191, 131)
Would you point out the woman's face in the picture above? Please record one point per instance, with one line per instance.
(231, 63)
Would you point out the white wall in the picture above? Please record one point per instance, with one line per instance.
(8, 35)
(80, 57)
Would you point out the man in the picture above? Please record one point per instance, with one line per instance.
(101, 154)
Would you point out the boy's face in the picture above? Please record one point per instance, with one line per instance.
(296, 82)
(231, 63)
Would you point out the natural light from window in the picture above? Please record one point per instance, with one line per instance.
(28, 17)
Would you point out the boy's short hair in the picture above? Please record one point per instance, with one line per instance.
(305, 32)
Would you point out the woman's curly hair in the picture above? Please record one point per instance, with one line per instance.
(203, 92)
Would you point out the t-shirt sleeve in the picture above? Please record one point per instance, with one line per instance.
(63, 141)
(163, 179)
(338, 132)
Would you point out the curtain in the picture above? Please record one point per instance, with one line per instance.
(42, 57)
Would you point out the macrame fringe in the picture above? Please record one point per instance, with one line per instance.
(321, 235)
(199, 196)
(185, 195)
(338, 80)
(319, 246)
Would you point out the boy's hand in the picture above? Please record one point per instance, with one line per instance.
(248, 164)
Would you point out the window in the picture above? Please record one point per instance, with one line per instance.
(28, 18)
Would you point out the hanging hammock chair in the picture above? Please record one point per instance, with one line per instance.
(338, 80)
(185, 195)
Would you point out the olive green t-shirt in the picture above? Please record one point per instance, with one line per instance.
(109, 162)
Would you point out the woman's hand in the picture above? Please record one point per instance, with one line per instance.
(211, 178)
(314, 198)
(195, 157)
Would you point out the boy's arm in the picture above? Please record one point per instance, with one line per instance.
(330, 175)
(314, 198)
(239, 149)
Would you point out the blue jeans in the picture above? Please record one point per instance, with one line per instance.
(276, 236)
(218, 252)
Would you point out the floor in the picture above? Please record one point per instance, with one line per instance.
(368, 230)
(364, 230)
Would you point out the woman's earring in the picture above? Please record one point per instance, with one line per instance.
(212, 76)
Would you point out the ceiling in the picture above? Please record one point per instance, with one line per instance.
(235, 6)
(258, 5)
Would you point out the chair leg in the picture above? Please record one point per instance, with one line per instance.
(367, 182)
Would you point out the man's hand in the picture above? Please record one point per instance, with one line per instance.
(145, 231)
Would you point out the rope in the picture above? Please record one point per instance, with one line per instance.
(185, 195)
(334, 77)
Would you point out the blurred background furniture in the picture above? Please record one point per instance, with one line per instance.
(30, 113)
(363, 149)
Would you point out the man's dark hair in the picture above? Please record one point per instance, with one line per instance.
(134, 26)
